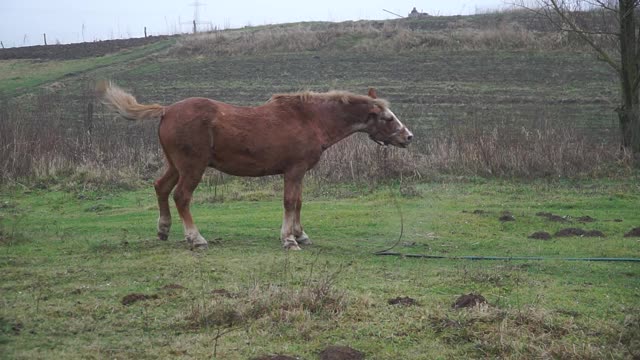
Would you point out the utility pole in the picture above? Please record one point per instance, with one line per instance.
(196, 19)
(45, 38)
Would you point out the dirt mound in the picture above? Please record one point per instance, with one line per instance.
(507, 216)
(469, 300)
(275, 357)
(579, 232)
(556, 218)
(586, 219)
(406, 301)
(635, 232)
(594, 233)
(340, 353)
(132, 298)
(570, 232)
(540, 235)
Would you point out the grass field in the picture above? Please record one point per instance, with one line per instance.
(84, 276)
(65, 275)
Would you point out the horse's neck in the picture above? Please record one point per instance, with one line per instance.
(338, 121)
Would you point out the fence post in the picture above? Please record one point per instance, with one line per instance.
(45, 38)
(145, 31)
(2, 44)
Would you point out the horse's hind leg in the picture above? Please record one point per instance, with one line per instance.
(163, 187)
(291, 232)
(187, 184)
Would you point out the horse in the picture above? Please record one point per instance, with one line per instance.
(286, 135)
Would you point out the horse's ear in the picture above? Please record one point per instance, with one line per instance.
(372, 93)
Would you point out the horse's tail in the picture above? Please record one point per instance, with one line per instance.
(125, 103)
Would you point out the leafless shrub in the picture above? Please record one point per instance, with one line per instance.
(503, 152)
(40, 139)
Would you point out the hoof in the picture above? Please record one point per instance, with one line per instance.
(290, 244)
(197, 242)
(163, 236)
(203, 246)
(303, 239)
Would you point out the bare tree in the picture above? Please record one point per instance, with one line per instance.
(611, 29)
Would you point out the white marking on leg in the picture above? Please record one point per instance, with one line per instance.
(286, 232)
(303, 239)
(164, 225)
(194, 238)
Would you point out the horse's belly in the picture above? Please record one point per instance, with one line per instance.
(244, 163)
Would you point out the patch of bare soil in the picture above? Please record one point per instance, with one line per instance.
(406, 301)
(540, 235)
(134, 297)
(275, 357)
(586, 219)
(469, 300)
(570, 232)
(635, 232)
(507, 216)
(340, 353)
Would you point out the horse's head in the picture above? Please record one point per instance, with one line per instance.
(384, 127)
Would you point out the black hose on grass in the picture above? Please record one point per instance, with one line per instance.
(388, 252)
(525, 258)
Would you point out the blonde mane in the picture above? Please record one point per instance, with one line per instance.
(343, 97)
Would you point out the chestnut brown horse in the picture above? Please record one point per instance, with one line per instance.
(287, 135)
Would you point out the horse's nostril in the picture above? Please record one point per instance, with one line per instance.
(409, 137)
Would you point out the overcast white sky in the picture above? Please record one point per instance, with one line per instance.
(22, 22)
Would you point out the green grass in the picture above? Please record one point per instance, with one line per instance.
(20, 76)
(68, 259)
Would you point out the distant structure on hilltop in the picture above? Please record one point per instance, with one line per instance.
(415, 13)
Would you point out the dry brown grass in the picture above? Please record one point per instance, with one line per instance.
(499, 152)
(269, 302)
(390, 36)
(527, 332)
(45, 146)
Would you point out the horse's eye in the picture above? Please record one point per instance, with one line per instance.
(388, 119)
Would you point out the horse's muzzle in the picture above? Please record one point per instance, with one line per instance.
(401, 138)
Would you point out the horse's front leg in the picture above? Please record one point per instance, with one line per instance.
(291, 232)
